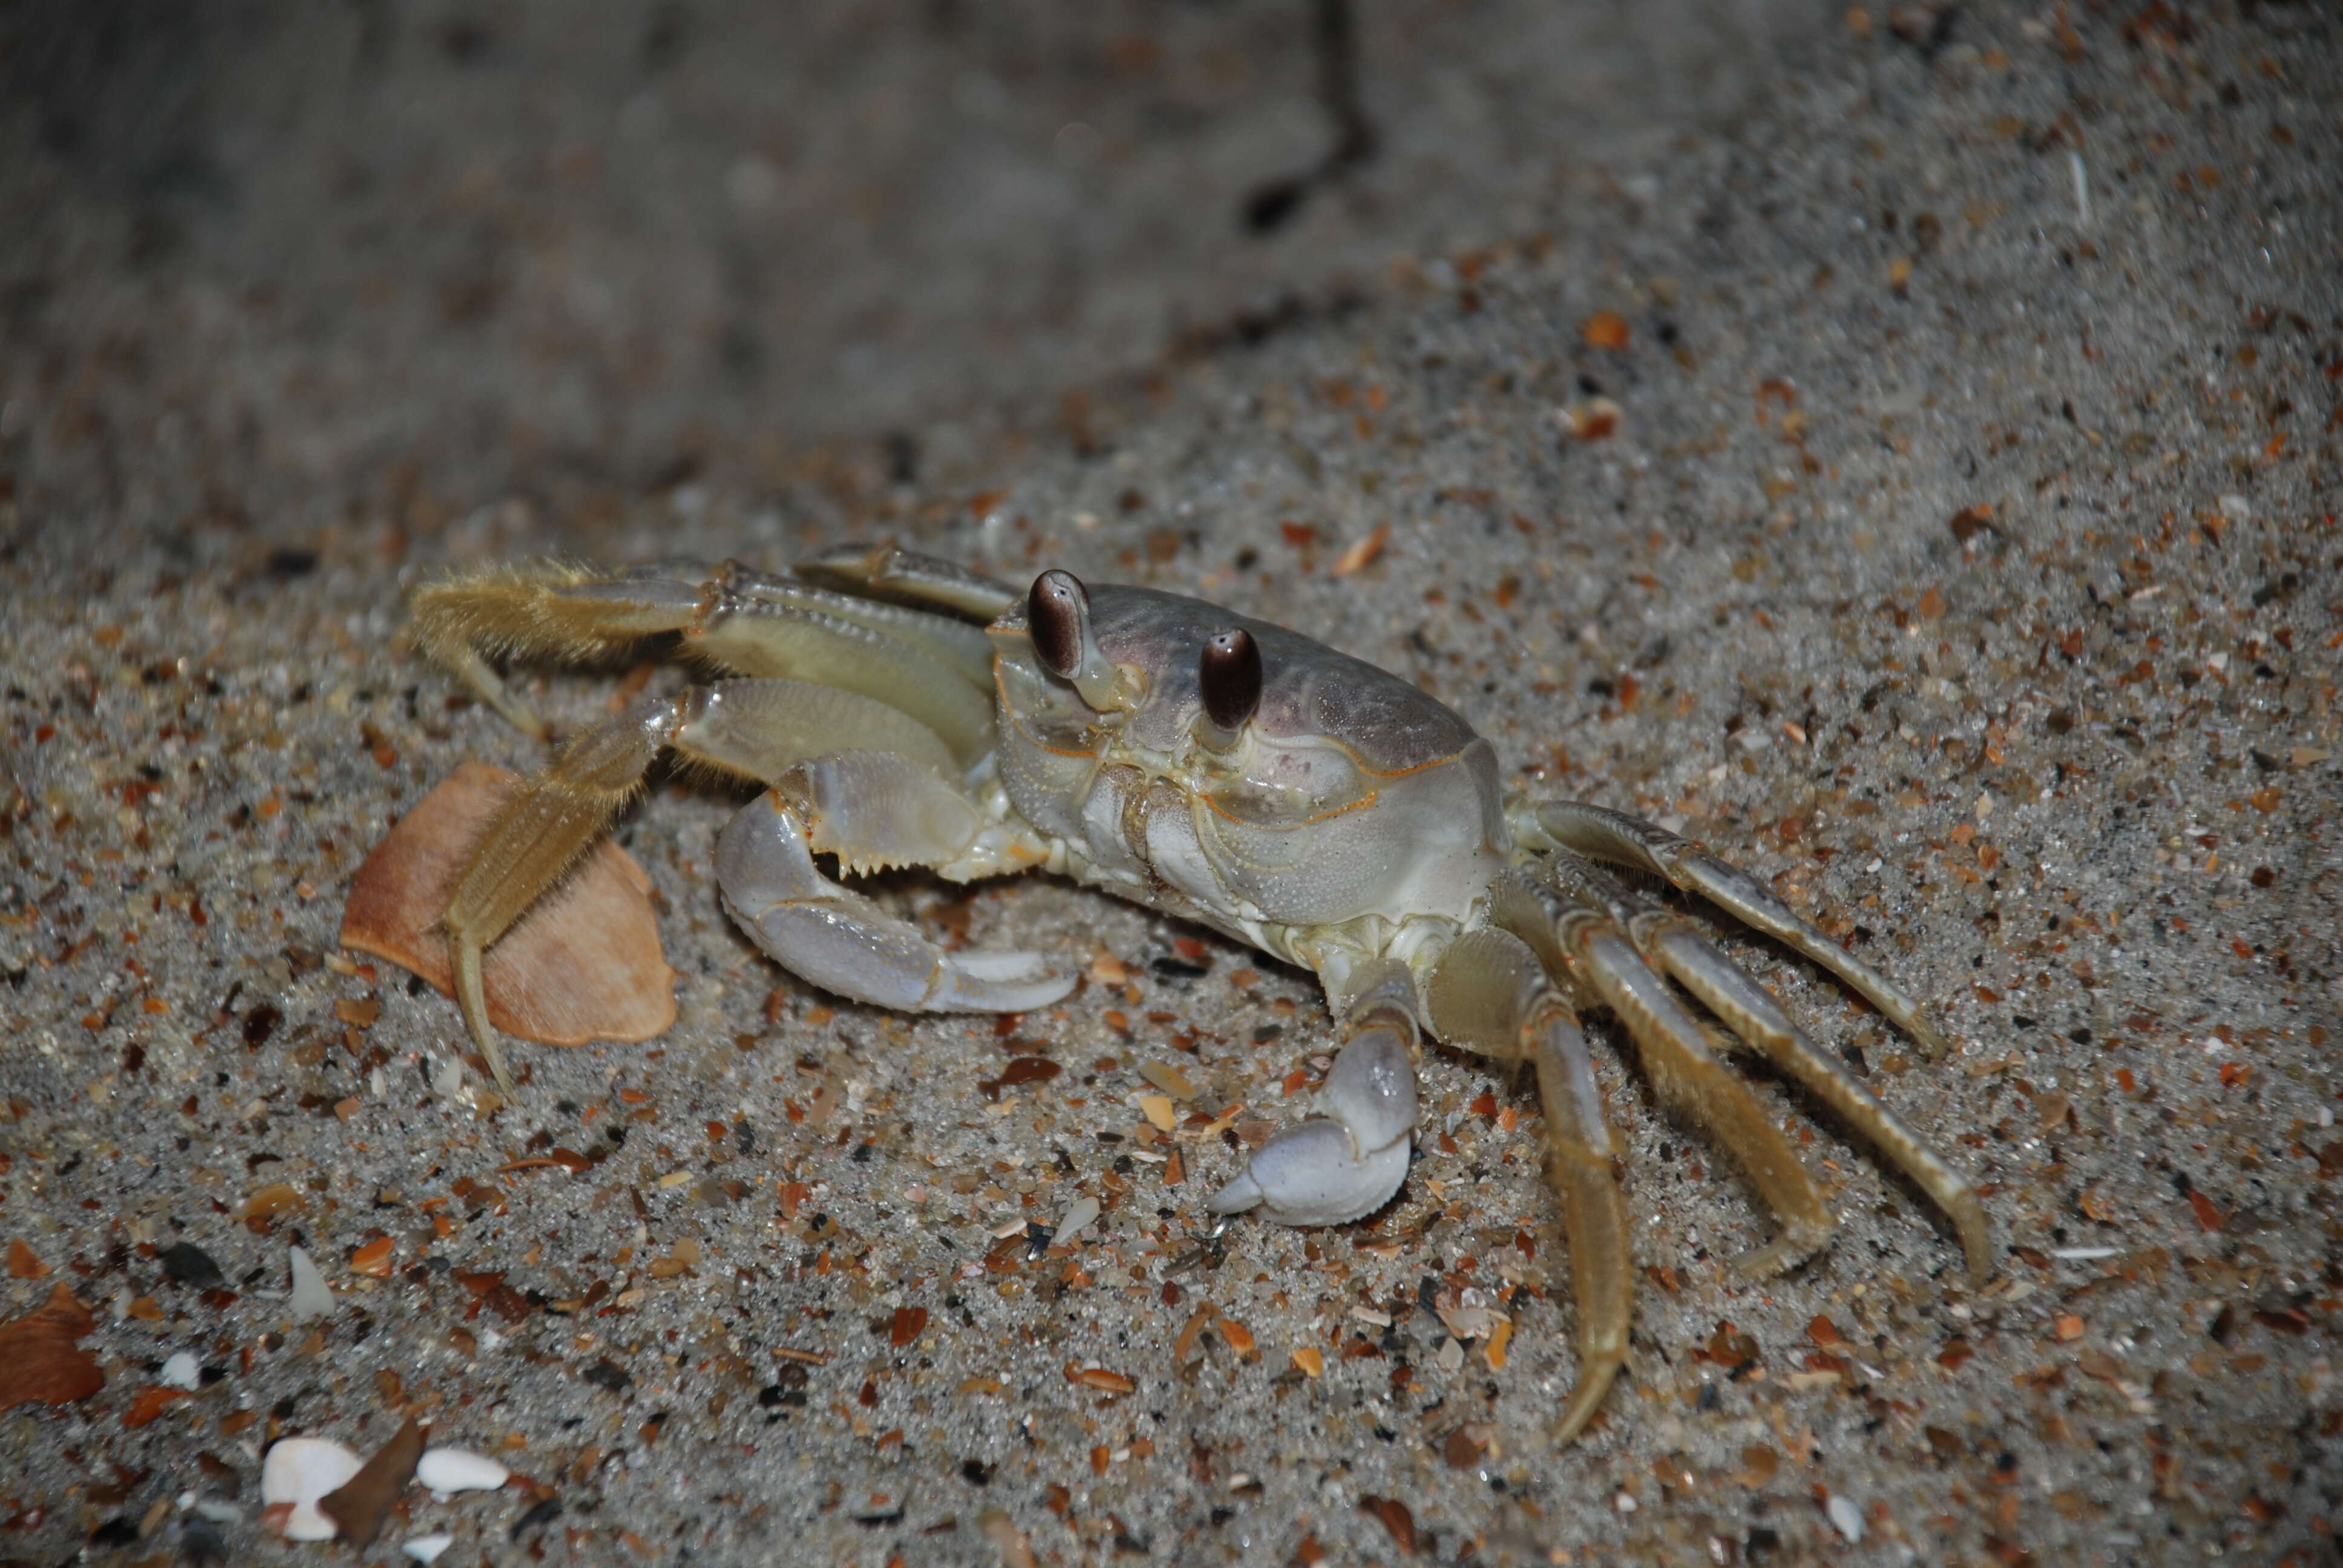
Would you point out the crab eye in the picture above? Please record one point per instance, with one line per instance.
(1058, 615)
(1228, 676)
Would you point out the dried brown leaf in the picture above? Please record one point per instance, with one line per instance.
(584, 964)
(39, 1362)
(361, 1503)
(1396, 1518)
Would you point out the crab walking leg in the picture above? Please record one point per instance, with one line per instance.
(558, 613)
(1597, 955)
(1625, 840)
(958, 643)
(773, 639)
(1488, 994)
(1345, 1162)
(1753, 1016)
(1757, 1020)
(939, 671)
(539, 835)
(910, 576)
(762, 729)
(840, 941)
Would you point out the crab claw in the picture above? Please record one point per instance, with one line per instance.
(1346, 1163)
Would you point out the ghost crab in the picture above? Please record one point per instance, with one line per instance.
(1219, 769)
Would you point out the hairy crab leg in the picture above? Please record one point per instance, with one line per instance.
(911, 578)
(1622, 839)
(1587, 946)
(771, 639)
(762, 729)
(1753, 1016)
(958, 643)
(1489, 995)
(1345, 1162)
(536, 837)
(556, 613)
(1755, 1020)
(933, 667)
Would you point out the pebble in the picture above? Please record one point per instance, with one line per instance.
(311, 1297)
(459, 1470)
(300, 1471)
(1845, 1516)
(425, 1548)
(180, 1372)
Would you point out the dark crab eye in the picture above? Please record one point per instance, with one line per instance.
(1058, 615)
(1228, 675)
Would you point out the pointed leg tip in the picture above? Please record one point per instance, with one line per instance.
(1594, 1383)
(1778, 1256)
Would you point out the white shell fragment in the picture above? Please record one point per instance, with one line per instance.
(300, 1471)
(425, 1548)
(180, 1372)
(1078, 1216)
(311, 1297)
(459, 1470)
(1845, 1516)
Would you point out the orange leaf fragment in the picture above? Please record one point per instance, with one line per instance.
(1311, 1359)
(150, 1402)
(1360, 552)
(23, 1264)
(39, 1362)
(267, 1202)
(1594, 419)
(584, 964)
(2207, 1217)
(360, 1504)
(1239, 1338)
(1825, 1332)
(909, 1322)
(373, 1259)
(1396, 1518)
(1099, 1378)
(1605, 330)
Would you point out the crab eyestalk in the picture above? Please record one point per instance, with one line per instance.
(1228, 678)
(1058, 617)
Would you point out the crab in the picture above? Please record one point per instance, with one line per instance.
(902, 710)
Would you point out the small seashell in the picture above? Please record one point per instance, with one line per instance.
(300, 1471)
(1845, 1516)
(180, 1372)
(459, 1470)
(427, 1548)
(311, 1297)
